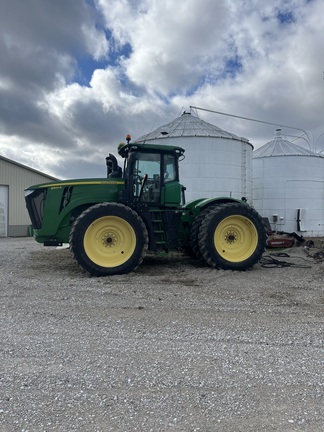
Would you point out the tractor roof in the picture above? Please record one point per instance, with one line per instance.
(125, 149)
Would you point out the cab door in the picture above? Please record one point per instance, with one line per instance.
(171, 192)
(147, 178)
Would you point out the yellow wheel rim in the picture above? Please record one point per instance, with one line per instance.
(235, 238)
(109, 241)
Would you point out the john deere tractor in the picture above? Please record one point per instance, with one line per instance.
(111, 223)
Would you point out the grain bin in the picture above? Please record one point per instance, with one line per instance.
(217, 163)
(288, 187)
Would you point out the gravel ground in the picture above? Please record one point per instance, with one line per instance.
(174, 346)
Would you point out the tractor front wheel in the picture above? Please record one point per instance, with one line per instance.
(108, 239)
(232, 237)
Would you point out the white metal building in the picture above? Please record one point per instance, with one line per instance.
(14, 178)
(288, 187)
(217, 163)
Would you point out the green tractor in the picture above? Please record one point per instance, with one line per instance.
(111, 223)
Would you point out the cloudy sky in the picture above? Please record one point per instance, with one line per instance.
(77, 75)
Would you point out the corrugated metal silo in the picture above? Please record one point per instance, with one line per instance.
(288, 187)
(217, 163)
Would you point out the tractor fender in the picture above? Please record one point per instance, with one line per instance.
(196, 206)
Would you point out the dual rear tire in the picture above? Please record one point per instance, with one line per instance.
(231, 236)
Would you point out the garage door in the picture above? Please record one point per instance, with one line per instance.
(3, 211)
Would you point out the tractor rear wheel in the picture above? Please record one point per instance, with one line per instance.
(232, 237)
(108, 239)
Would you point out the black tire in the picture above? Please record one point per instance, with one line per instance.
(108, 239)
(194, 242)
(232, 237)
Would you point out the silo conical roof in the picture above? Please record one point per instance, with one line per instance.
(281, 147)
(188, 125)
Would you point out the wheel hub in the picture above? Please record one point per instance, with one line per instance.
(109, 239)
(230, 237)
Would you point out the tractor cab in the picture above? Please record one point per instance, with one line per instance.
(151, 174)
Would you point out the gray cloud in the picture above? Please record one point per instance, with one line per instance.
(39, 40)
(237, 57)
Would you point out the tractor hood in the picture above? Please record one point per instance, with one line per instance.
(76, 182)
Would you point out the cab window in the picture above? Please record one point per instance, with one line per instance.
(147, 164)
(170, 173)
